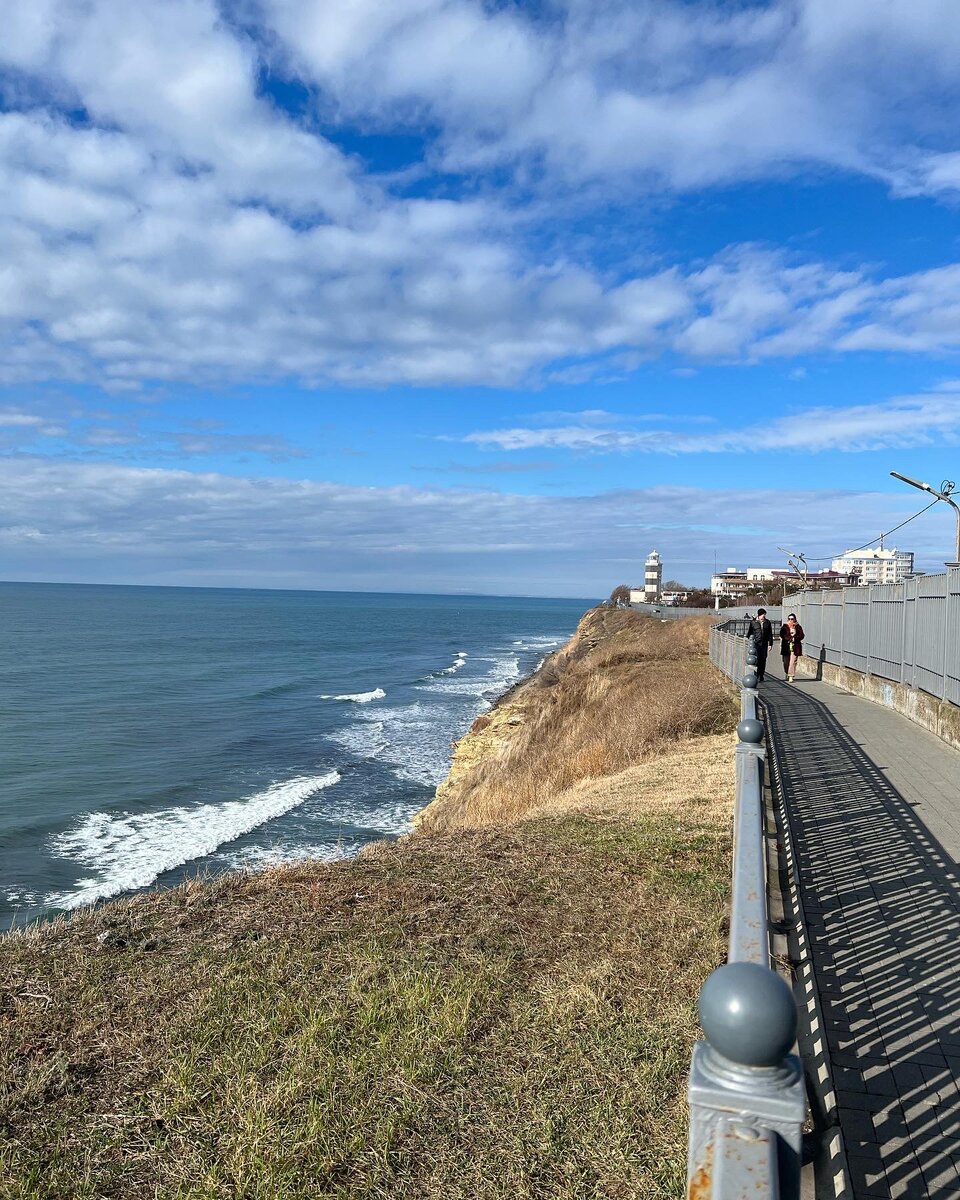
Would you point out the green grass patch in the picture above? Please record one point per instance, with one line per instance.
(480, 1015)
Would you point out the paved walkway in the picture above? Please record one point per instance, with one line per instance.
(874, 805)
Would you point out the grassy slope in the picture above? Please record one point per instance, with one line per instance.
(485, 1013)
(625, 689)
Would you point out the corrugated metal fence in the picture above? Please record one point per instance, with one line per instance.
(908, 632)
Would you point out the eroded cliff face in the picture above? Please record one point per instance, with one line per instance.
(622, 686)
(493, 735)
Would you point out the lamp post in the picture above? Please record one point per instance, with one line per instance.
(947, 488)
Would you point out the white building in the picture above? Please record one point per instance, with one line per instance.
(875, 566)
(652, 577)
(730, 584)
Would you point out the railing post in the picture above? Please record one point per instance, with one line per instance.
(945, 640)
(744, 1083)
(869, 629)
(843, 614)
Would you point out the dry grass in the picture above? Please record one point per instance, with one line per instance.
(627, 689)
(487, 1015)
(693, 781)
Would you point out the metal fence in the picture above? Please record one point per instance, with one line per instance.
(670, 612)
(907, 632)
(745, 1090)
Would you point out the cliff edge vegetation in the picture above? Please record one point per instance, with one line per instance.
(623, 691)
(495, 1010)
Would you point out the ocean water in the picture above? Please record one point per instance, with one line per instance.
(149, 734)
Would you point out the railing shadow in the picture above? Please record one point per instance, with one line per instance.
(882, 902)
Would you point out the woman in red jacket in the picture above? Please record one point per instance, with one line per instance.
(791, 646)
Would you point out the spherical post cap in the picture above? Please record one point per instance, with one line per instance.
(750, 729)
(750, 679)
(752, 658)
(748, 1014)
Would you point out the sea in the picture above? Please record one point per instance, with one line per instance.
(149, 735)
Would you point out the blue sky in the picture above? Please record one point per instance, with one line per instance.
(449, 296)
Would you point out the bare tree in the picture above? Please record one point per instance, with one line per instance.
(620, 596)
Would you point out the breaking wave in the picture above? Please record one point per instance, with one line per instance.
(130, 850)
(359, 697)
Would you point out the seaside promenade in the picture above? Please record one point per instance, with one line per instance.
(873, 806)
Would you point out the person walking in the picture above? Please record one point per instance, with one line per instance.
(791, 646)
(761, 631)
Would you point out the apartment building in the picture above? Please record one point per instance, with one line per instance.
(875, 566)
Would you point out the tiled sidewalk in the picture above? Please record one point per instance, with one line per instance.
(874, 806)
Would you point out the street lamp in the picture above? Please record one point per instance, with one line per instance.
(791, 555)
(947, 488)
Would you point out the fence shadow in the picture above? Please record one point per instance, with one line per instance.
(882, 902)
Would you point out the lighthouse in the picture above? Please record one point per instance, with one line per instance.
(652, 577)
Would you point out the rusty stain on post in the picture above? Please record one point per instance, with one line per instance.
(701, 1185)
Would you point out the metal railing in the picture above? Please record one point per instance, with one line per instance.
(734, 612)
(906, 632)
(745, 1090)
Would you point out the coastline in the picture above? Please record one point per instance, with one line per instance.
(621, 690)
(504, 1006)
(259, 728)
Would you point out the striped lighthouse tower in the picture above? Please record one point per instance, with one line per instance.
(652, 577)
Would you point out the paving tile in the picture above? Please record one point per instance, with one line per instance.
(941, 1176)
(874, 806)
(849, 1079)
(910, 1187)
(867, 1177)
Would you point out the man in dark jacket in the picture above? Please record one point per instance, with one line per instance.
(762, 633)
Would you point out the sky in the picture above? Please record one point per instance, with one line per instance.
(451, 296)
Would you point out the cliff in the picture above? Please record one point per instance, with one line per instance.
(625, 688)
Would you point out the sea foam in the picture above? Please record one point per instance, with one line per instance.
(459, 660)
(279, 854)
(130, 850)
(503, 671)
(359, 697)
(414, 739)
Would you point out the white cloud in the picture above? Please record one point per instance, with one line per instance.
(186, 228)
(66, 521)
(11, 418)
(173, 75)
(19, 428)
(680, 95)
(126, 436)
(902, 423)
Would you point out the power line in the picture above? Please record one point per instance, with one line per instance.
(879, 538)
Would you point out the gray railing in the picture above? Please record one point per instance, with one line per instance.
(745, 1090)
(733, 612)
(906, 632)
